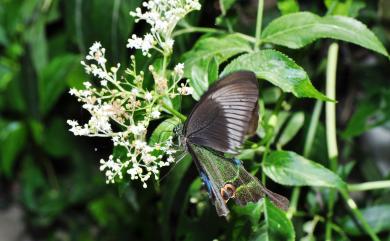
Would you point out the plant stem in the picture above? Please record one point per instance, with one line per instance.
(196, 29)
(293, 202)
(164, 67)
(174, 112)
(312, 128)
(365, 186)
(358, 215)
(259, 21)
(246, 37)
(331, 138)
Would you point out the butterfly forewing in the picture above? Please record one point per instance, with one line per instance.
(225, 114)
(227, 178)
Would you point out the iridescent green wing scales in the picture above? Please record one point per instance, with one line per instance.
(220, 171)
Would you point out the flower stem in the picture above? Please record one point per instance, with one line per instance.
(365, 186)
(259, 20)
(331, 139)
(174, 112)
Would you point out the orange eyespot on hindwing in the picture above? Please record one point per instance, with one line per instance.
(228, 191)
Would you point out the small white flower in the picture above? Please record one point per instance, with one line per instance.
(134, 91)
(179, 69)
(73, 91)
(185, 90)
(155, 114)
(95, 47)
(163, 17)
(87, 84)
(148, 96)
(137, 129)
(140, 144)
(103, 82)
(171, 159)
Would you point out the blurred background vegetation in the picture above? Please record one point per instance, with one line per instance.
(50, 185)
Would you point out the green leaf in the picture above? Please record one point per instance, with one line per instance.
(221, 48)
(276, 226)
(85, 21)
(202, 75)
(246, 220)
(300, 29)
(251, 210)
(288, 6)
(106, 210)
(3, 37)
(346, 8)
(271, 124)
(271, 95)
(289, 168)
(201, 63)
(169, 192)
(278, 69)
(292, 128)
(378, 217)
(6, 73)
(225, 5)
(13, 137)
(370, 112)
(53, 79)
(57, 139)
(164, 130)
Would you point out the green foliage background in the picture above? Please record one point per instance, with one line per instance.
(54, 178)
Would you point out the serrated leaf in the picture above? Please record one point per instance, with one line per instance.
(378, 217)
(289, 168)
(300, 29)
(276, 227)
(278, 69)
(202, 75)
(221, 48)
(292, 128)
(202, 61)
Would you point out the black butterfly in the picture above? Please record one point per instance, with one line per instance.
(225, 114)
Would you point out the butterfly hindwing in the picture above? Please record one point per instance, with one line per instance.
(225, 114)
(226, 178)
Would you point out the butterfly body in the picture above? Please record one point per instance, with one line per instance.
(218, 124)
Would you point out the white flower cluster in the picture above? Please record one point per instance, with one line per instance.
(162, 16)
(122, 109)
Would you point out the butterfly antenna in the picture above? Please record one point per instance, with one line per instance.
(180, 157)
